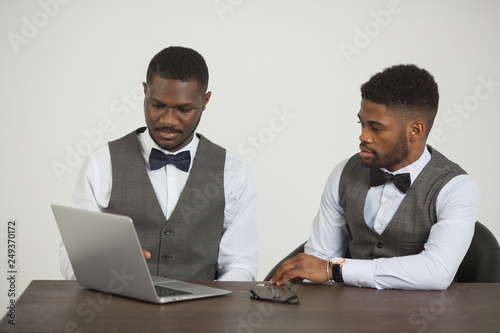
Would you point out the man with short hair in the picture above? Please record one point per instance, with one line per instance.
(192, 202)
(404, 212)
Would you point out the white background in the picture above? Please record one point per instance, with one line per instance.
(71, 74)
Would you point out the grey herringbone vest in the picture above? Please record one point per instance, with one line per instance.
(409, 229)
(186, 247)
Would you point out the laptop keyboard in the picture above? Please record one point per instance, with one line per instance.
(165, 292)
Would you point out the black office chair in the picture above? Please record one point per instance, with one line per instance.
(482, 261)
(480, 265)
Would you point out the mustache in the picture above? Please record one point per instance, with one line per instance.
(167, 129)
(363, 145)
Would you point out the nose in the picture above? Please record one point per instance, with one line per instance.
(365, 136)
(169, 118)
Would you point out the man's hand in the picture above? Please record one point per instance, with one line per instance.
(147, 255)
(302, 266)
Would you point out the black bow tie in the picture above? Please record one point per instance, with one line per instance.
(157, 160)
(379, 177)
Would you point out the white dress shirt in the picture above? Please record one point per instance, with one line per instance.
(434, 268)
(237, 259)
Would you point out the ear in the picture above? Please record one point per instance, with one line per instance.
(206, 98)
(417, 130)
(144, 84)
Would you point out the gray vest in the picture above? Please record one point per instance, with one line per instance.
(186, 247)
(409, 229)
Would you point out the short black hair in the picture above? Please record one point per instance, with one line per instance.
(179, 63)
(406, 90)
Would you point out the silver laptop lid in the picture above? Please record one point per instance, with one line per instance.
(105, 252)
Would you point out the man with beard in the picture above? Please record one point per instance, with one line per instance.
(400, 211)
(192, 203)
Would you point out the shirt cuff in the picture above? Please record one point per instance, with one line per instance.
(357, 272)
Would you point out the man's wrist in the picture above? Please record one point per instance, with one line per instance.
(328, 274)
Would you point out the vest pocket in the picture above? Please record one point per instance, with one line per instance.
(417, 246)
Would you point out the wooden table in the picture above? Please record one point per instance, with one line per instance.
(63, 306)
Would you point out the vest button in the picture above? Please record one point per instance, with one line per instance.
(168, 232)
(380, 245)
(165, 257)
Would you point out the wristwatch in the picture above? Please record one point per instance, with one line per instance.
(336, 265)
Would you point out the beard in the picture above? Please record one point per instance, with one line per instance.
(172, 130)
(394, 156)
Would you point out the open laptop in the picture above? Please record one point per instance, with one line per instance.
(106, 255)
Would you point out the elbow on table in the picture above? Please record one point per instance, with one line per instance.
(443, 285)
(440, 282)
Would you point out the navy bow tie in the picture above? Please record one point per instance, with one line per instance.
(401, 181)
(158, 160)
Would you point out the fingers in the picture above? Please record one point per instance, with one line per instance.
(302, 266)
(284, 273)
(147, 255)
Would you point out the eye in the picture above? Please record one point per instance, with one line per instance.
(155, 105)
(183, 109)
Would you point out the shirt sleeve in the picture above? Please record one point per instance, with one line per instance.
(435, 267)
(329, 232)
(92, 192)
(239, 245)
